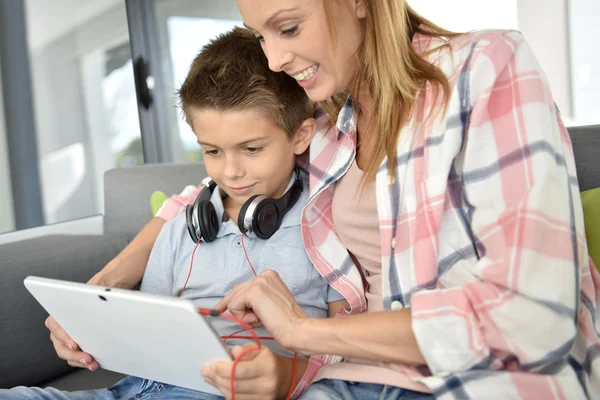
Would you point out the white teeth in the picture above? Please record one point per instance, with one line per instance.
(307, 73)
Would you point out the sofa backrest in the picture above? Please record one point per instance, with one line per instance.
(586, 147)
(127, 193)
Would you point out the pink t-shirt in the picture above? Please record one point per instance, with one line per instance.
(357, 224)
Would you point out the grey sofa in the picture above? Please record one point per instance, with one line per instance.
(26, 353)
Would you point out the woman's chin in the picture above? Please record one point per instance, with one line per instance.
(320, 93)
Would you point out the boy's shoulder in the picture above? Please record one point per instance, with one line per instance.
(173, 232)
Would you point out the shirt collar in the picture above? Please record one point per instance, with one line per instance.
(346, 121)
(294, 216)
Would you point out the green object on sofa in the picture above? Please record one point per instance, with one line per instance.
(156, 201)
(591, 213)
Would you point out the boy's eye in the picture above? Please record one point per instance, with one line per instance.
(211, 152)
(290, 31)
(253, 150)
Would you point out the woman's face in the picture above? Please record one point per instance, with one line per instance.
(295, 38)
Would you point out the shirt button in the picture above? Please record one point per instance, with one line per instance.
(393, 243)
(396, 305)
(238, 243)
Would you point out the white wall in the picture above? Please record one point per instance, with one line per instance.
(542, 22)
(49, 20)
(6, 206)
(544, 25)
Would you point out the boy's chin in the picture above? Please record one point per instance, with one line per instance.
(240, 200)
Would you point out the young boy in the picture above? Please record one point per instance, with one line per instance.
(251, 124)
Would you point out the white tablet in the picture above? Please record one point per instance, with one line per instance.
(150, 336)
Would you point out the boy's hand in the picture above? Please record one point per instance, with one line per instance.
(67, 349)
(259, 374)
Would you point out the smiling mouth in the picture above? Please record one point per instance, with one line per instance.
(240, 189)
(307, 73)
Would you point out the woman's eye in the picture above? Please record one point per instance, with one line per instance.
(290, 31)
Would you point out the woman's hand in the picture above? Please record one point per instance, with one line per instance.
(67, 349)
(266, 299)
(260, 374)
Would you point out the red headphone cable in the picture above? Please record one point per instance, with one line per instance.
(247, 327)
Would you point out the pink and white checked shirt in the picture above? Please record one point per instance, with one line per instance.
(482, 231)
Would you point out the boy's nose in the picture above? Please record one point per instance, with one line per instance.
(233, 169)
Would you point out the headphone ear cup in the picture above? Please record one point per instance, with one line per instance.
(242, 215)
(190, 222)
(266, 219)
(209, 224)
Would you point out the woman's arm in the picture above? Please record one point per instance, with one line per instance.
(385, 336)
(381, 336)
(127, 268)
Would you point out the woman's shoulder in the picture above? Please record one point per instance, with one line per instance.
(451, 55)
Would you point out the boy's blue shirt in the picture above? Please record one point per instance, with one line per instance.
(221, 264)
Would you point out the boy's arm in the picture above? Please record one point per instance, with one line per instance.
(158, 275)
(286, 365)
(336, 306)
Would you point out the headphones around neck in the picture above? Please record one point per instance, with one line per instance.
(260, 215)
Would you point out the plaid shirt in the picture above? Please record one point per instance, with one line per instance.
(482, 231)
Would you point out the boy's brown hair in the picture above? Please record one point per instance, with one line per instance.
(231, 73)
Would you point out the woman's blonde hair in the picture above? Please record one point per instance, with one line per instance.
(392, 71)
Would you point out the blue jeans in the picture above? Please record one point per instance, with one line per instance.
(335, 389)
(128, 388)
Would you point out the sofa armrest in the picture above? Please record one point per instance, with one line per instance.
(27, 356)
(80, 226)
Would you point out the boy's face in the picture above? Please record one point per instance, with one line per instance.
(246, 153)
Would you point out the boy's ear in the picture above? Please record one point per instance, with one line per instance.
(304, 135)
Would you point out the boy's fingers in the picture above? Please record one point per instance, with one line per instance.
(68, 343)
(84, 360)
(57, 333)
(244, 369)
(250, 355)
(91, 366)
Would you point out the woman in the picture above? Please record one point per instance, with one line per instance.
(444, 207)
(450, 179)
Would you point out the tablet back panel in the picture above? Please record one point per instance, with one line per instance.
(150, 336)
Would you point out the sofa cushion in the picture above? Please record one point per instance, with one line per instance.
(27, 356)
(590, 199)
(586, 148)
(127, 190)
